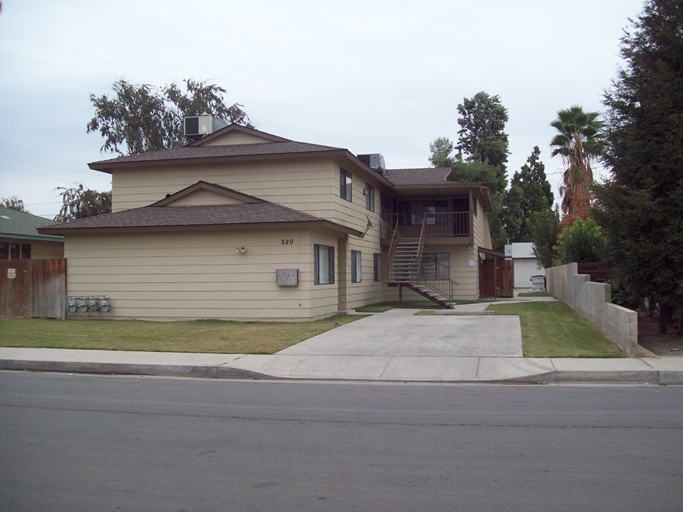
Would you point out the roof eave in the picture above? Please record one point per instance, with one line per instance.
(39, 238)
(111, 165)
(312, 224)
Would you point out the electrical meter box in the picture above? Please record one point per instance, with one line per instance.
(287, 277)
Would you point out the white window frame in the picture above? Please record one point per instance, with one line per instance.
(345, 185)
(377, 267)
(356, 267)
(369, 197)
(323, 256)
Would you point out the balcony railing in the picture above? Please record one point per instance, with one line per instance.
(442, 224)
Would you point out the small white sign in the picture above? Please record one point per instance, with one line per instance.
(471, 263)
(11, 273)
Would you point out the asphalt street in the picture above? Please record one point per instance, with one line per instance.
(84, 442)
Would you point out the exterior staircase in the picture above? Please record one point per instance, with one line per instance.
(404, 271)
(406, 260)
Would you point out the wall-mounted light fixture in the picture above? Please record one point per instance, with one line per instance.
(240, 250)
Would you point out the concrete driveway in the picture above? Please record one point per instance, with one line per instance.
(399, 332)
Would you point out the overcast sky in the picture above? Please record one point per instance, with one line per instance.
(370, 76)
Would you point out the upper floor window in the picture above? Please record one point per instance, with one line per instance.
(370, 197)
(345, 184)
(411, 213)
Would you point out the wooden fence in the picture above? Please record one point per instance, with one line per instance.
(596, 271)
(496, 278)
(33, 289)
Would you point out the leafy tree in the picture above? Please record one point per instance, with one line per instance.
(140, 118)
(80, 202)
(441, 149)
(581, 242)
(578, 142)
(13, 203)
(482, 152)
(545, 230)
(478, 172)
(536, 195)
(641, 206)
(482, 136)
(512, 216)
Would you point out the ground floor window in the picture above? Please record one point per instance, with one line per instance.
(324, 264)
(10, 251)
(377, 267)
(435, 266)
(356, 267)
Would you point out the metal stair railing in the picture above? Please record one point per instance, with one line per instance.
(392, 249)
(441, 284)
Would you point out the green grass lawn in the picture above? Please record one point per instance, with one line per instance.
(381, 307)
(553, 329)
(209, 336)
(534, 294)
(549, 329)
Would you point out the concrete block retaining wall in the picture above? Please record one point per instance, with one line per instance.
(592, 302)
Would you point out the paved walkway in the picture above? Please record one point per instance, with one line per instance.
(462, 345)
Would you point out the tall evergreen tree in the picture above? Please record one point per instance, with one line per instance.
(482, 152)
(545, 230)
(482, 136)
(536, 194)
(640, 208)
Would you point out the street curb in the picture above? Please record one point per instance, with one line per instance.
(658, 377)
(207, 372)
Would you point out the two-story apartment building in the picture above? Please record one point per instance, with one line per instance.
(242, 224)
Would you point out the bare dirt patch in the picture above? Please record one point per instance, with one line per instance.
(669, 344)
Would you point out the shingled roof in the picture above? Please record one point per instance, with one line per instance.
(165, 218)
(24, 226)
(230, 151)
(425, 176)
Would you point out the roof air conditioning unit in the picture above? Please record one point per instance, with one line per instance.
(374, 161)
(197, 127)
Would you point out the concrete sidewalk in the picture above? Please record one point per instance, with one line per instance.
(446, 369)
(396, 346)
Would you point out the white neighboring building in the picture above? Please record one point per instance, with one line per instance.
(524, 263)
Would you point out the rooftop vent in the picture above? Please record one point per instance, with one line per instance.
(197, 127)
(374, 161)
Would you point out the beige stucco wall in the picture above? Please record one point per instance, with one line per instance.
(482, 233)
(303, 185)
(236, 138)
(199, 275)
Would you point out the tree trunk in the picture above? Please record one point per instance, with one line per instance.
(666, 313)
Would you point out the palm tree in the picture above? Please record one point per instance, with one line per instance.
(579, 141)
